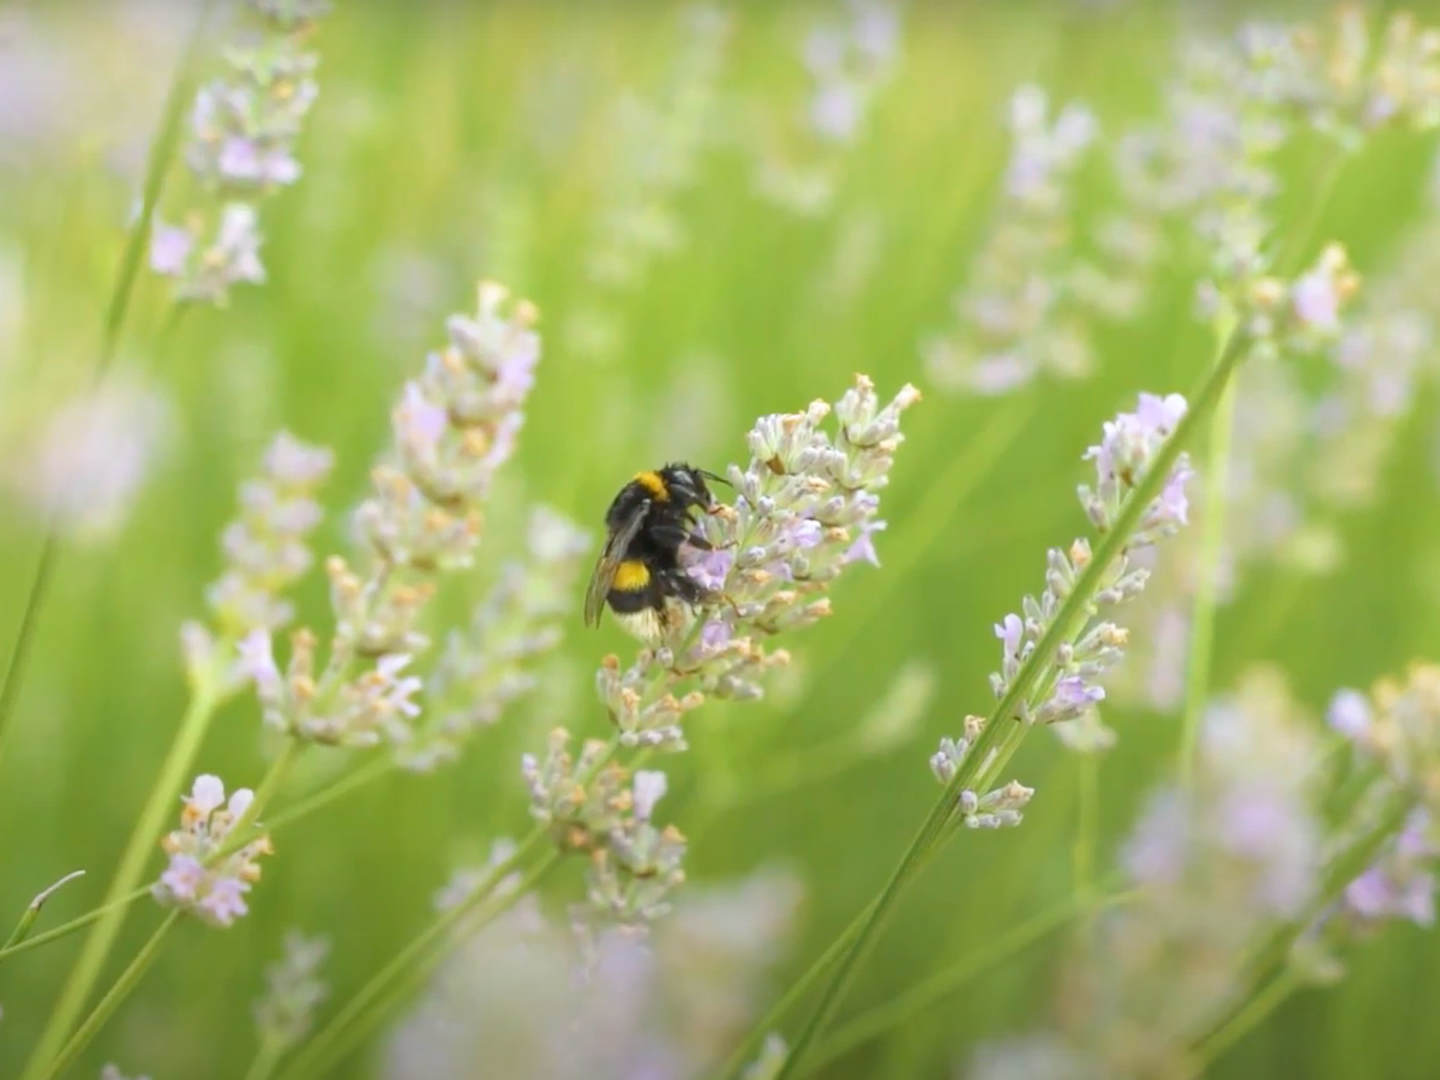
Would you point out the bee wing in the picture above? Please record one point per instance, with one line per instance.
(610, 557)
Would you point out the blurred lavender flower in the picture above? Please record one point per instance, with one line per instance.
(92, 455)
(265, 553)
(1039, 1056)
(773, 1054)
(1213, 866)
(1401, 885)
(492, 664)
(1017, 315)
(522, 994)
(244, 128)
(849, 55)
(210, 887)
(112, 1072)
(466, 881)
(293, 990)
(453, 428)
(1400, 731)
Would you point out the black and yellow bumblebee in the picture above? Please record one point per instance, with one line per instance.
(639, 573)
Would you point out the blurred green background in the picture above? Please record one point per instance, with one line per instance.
(453, 141)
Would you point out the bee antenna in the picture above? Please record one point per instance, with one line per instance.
(714, 476)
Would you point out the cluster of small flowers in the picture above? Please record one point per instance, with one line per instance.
(1401, 884)
(670, 1004)
(1345, 81)
(1017, 315)
(658, 148)
(849, 55)
(265, 553)
(806, 507)
(485, 668)
(1398, 728)
(293, 990)
(453, 428)
(997, 809)
(1279, 316)
(244, 130)
(210, 888)
(600, 808)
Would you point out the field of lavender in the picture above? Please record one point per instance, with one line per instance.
(1062, 700)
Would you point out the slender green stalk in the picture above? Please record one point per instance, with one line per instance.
(322, 1044)
(148, 826)
(78, 923)
(162, 150)
(932, 991)
(374, 1017)
(1255, 1011)
(1202, 619)
(356, 778)
(128, 980)
(1005, 716)
(32, 911)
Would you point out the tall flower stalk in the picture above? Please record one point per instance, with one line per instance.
(999, 736)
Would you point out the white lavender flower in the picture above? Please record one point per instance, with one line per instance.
(849, 54)
(244, 127)
(293, 991)
(112, 1072)
(492, 664)
(453, 428)
(1017, 315)
(197, 878)
(806, 508)
(1400, 731)
(467, 880)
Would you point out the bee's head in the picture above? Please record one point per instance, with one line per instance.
(688, 486)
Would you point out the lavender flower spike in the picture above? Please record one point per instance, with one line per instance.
(806, 505)
(453, 429)
(1067, 689)
(244, 128)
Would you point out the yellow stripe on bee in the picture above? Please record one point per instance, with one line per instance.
(632, 575)
(652, 482)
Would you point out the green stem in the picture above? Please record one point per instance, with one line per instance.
(323, 1042)
(128, 980)
(935, 989)
(68, 928)
(405, 989)
(356, 778)
(32, 912)
(161, 151)
(143, 838)
(1202, 620)
(1074, 610)
(1256, 1010)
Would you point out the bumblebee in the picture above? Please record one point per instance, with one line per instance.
(639, 573)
